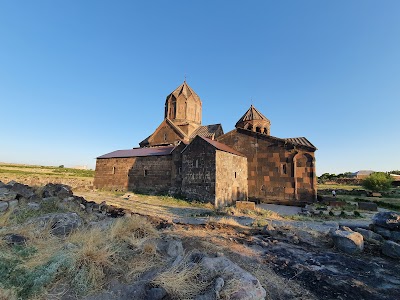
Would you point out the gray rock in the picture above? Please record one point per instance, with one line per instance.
(219, 284)
(6, 194)
(175, 248)
(347, 240)
(391, 249)
(33, 205)
(382, 231)
(15, 239)
(370, 206)
(395, 236)
(248, 287)
(23, 190)
(56, 190)
(2, 184)
(157, 293)
(389, 220)
(12, 204)
(61, 223)
(370, 236)
(3, 206)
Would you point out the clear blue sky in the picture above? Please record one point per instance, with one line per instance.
(79, 79)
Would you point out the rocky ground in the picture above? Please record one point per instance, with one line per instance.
(56, 245)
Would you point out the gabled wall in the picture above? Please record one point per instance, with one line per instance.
(231, 178)
(198, 171)
(277, 172)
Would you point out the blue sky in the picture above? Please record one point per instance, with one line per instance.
(79, 79)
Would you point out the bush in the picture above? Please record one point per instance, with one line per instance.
(378, 181)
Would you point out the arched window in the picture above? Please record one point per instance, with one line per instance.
(113, 170)
(258, 129)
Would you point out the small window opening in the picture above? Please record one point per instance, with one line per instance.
(284, 169)
(258, 129)
(145, 173)
(113, 170)
(165, 136)
(179, 170)
(235, 174)
(197, 163)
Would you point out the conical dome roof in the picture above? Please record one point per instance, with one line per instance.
(185, 90)
(250, 115)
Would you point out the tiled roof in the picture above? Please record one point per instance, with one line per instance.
(364, 172)
(207, 131)
(222, 147)
(252, 114)
(302, 141)
(138, 152)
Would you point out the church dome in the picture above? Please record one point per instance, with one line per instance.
(255, 121)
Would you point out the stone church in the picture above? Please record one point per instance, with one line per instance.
(201, 162)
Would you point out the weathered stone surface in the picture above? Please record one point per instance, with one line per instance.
(33, 205)
(248, 286)
(391, 249)
(2, 184)
(56, 190)
(370, 206)
(157, 293)
(246, 205)
(389, 220)
(12, 203)
(369, 235)
(23, 190)
(347, 240)
(175, 248)
(3, 206)
(382, 231)
(15, 239)
(6, 194)
(61, 223)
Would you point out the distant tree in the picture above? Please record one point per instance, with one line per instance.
(397, 172)
(61, 166)
(378, 181)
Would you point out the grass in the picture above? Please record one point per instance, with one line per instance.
(84, 261)
(322, 186)
(44, 171)
(183, 280)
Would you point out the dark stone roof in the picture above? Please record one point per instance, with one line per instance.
(138, 152)
(221, 146)
(186, 90)
(252, 114)
(206, 131)
(302, 141)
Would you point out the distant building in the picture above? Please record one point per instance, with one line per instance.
(362, 174)
(202, 163)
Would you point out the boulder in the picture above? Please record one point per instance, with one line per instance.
(370, 236)
(175, 248)
(2, 184)
(33, 205)
(61, 223)
(370, 206)
(347, 240)
(247, 288)
(6, 194)
(3, 206)
(386, 233)
(15, 239)
(156, 293)
(391, 249)
(56, 190)
(23, 190)
(389, 220)
(12, 203)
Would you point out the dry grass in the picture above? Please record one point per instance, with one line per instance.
(230, 288)
(133, 230)
(5, 218)
(7, 294)
(93, 258)
(182, 281)
(225, 220)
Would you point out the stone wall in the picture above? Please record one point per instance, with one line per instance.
(151, 174)
(112, 173)
(231, 178)
(198, 171)
(276, 171)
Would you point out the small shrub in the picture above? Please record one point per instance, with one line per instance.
(378, 181)
(331, 213)
(357, 214)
